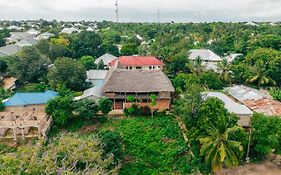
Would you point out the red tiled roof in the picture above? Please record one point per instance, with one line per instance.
(138, 61)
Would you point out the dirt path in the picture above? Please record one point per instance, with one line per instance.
(266, 168)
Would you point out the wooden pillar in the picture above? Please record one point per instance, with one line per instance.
(114, 103)
(22, 133)
(15, 134)
(39, 131)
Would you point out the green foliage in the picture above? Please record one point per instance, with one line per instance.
(112, 144)
(218, 149)
(88, 62)
(68, 154)
(105, 105)
(101, 65)
(60, 108)
(86, 109)
(275, 93)
(33, 87)
(153, 146)
(3, 65)
(1, 105)
(211, 80)
(67, 72)
(266, 135)
(129, 49)
(86, 43)
(28, 65)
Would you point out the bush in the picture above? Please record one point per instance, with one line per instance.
(61, 109)
(87, 109)
(266, 136)
(105, 105)
(112, 144)
(136, 110)
(275, 93)
(212, 80)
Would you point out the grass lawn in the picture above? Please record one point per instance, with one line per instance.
(151, 145)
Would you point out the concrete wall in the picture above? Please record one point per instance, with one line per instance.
(28, 109)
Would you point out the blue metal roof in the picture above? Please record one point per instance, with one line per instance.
(20, 99)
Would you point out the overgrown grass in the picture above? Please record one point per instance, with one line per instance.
(152, 145)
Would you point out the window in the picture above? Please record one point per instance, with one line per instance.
(138, 67)
(150, 67)
(130, 67)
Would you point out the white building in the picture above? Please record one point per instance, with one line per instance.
(209, 58)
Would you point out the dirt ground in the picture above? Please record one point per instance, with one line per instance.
(266, 168)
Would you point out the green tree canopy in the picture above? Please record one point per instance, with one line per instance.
(68, 154)
(67, 72)
(28, 65)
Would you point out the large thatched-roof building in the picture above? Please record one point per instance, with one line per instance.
(121, 83)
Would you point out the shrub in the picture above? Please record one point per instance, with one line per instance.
(275, 93)
(266, 136)
(60, 108)
(112, 143)
(105, 105)
(87, 109)
(212, 80)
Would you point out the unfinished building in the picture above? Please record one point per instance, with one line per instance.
(24, 125)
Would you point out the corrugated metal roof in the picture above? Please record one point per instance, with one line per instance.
(106, 58)
(204, 54)
(230, 105)
(256, 100)
(20, 99)
(96, 74)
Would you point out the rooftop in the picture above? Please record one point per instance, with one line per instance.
(20, 99)
(256, 100)
(106, 58)
(230, 105)
(138, 61)
(96, 74)
(138, 81)
(204, 54)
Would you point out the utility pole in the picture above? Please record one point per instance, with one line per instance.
(117, 11)
(158, 16)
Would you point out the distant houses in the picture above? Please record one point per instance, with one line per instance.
(106, 59)
(208, 57)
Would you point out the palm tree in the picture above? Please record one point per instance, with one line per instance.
(261, 77)
(223, 68)
(197, 65)
(218, 149)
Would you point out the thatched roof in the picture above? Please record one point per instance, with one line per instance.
(139, 81)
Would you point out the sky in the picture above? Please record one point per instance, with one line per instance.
(143, 10)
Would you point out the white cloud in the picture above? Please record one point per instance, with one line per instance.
(143, 10)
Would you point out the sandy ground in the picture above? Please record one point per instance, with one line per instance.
(266, 168)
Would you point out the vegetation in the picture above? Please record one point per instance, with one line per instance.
(264, 144)
(105, 105)
(28, 65)
(159, 149)
(68, 154)
(67, 72)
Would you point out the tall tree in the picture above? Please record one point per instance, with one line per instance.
(28, 65)
(86, 43)
(219, 150)
(67, 72)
